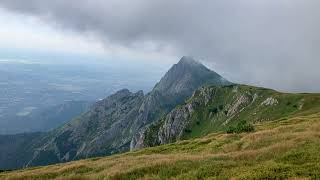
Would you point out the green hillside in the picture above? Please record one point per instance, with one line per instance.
(231, 105)
(283, 144)
(233, 108)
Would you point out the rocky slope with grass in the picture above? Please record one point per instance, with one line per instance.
(284, 148)
(109, 126)
(223, 108)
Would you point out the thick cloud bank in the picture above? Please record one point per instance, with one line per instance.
(274, 43)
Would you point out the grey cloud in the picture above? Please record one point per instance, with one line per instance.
(273, 43)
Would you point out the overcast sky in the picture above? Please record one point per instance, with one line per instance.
(271, 43)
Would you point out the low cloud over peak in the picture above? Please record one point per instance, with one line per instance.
(274, 43)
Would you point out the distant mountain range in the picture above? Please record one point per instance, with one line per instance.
(189, 101)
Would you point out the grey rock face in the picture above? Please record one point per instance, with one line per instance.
(171, 128)
(234, 108)
(270, 101)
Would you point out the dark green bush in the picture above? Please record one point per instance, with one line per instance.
(242, 126)
(213, 110)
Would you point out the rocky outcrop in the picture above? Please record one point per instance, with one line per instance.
(240, 101)
(172, 127)
(270, 101)
(174, 124)
(177, 120)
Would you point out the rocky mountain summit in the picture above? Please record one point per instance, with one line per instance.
(186, 76)
(174, 88)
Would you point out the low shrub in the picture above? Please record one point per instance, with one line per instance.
(242, 126)
(213, 110)
(225, 112)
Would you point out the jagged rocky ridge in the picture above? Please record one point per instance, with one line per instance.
(110, 125)
(105, 129)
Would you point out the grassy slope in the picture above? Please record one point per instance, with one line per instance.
(213, 117)
(287, 147)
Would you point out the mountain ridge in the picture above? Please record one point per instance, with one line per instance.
(110, 125)
(284, 143)
(219, 108)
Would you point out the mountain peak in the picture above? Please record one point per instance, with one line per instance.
(188, 60)
(186, 76)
